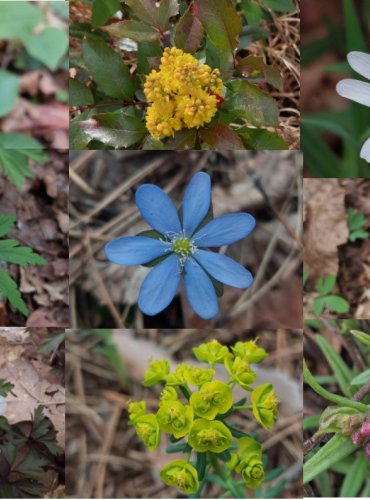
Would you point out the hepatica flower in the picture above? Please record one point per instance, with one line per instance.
(179, 247)
(357, 90)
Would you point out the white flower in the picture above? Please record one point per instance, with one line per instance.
(357, 90)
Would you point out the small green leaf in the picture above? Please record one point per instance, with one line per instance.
(362, 378)
(336, 304)
(79, 94)
(9, 85)
(102, 10)
(5, 388)
(221, 137)
(118, 130)
(6, 224)
(334, 450)
(189, 33)
(135, 30)
(15, 167)
(221, 22)
(49, 46)
(115, 82)
(8, 287)
(246, 101)
(326, 284)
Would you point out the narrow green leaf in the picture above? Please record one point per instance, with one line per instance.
(361, 379)
(363, 337)
(339, 400)
(115, 82)
(355, 477)
(246, 101)
(342, 372)
(8, 287)
(334, 450)
(221, 22)
(9, 85)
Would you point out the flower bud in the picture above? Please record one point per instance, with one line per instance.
(157, 372)
(175, 418)
(181, 475)
(208, 435)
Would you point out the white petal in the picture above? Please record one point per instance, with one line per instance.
(355, 90)
(365, 151)
(360, 62)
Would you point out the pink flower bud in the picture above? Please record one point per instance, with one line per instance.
(357, 438)
(365, 429)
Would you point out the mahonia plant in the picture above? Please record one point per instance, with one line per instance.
(182, 77)
(196, 411)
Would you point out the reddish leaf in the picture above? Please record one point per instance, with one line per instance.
(254, 67)
(220, 136)
(189, 32)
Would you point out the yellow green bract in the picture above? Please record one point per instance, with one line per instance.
(250, 462)
(183, 94)
(182, 475)
(241, 372)
(212, 399)
(175, 418)
(265, 405)
(157, 372)
(208, 435)
(212, 352)
(249, 351)
(147, 428)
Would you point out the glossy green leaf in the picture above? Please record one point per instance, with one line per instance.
(260, 139)
(362, 378)
(355, 477)
(333, 451)
(184, 139)
(49, 46)
(247, 101)
(154, 13)
(9, 85)
(221, 22)
(189, 32)
(255, 67)
(342, 372)
(102, 10)
(220, 137)
(79, 94)
(283, 6)
(118, 130)
(135, 30)
(107, 68)
(18, 18)
(146, 53)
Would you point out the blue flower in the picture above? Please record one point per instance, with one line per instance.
(181, 242)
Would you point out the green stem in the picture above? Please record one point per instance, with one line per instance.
(244, 407)
(339, 400)
(219, 469)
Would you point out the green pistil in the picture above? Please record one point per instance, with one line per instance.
(182, 246)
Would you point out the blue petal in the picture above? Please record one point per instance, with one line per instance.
(224, 269)
(159, 287)
(197, 200)
(157, 209)
(200, 290)
(134, 250)
(225, 230)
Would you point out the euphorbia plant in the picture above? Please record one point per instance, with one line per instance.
(196, 412)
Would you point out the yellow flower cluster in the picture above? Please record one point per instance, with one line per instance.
(183, 94)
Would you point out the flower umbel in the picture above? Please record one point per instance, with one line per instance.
(356, 90)
(179, 247)
(183, 94)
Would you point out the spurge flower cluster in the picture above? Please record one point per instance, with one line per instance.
(195, 411)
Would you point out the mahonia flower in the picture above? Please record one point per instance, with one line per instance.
(175, 418)
(157, 372)
(182, 475)
(212, 352)
(241, 372)
(212, 399)
(209, 435)
(182, 248)
(183, 94)
(357, 90)
(265, 404)
(250, 462)
(249, 351)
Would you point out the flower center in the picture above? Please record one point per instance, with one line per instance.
(182, 246)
